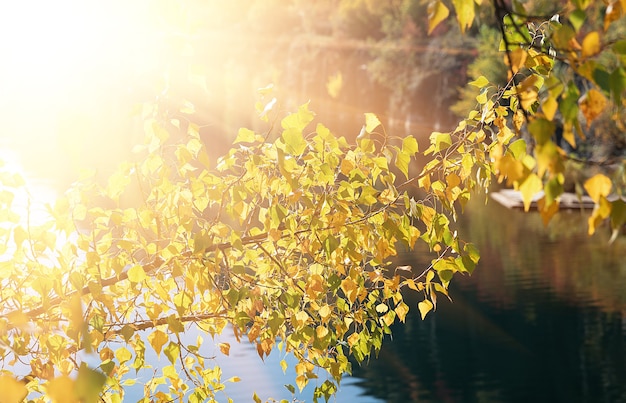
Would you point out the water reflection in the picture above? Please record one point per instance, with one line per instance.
(542, 319)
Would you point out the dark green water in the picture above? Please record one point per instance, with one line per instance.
(542, 319)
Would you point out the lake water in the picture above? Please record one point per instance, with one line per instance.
(542, 319)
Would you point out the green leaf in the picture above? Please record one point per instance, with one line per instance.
(518, 149)
(577, 19)
(619, 47)
(618, 84)
(371, 122)
(542, 130)
(553, 189)
(89, 383)
(618, 214)
(172, 352)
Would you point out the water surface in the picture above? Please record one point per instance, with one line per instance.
(542, 319)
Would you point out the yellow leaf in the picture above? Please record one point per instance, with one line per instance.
(301, 318)
(346, 166)
(122, 354)
(382, 308)
(548, 159)
(349, 287)
(568, 134)
(401, 310)
(440, 141)
(18, 319)
(425, 306)
(437, 12)
(409, 145)
(299, 120)
(528, 97)
(549, 106)
(591, 44)
(464, 13)
(598, 186)
(480, 82)
(301, 382)
(61, 390)
(13, 391)
(157, 339)
(371, 122)
(321, 331)
(529, 188)
(136, 274)
(547, 211)
(516, 58)
(592, 104)
(245, 136)
(600, 213)
(334, 84)
(324, 312)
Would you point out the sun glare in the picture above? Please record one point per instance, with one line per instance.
(65, 65)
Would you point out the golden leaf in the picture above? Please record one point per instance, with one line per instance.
(592, 104)
(225, 348)
(13, 391)
(61, 390)
(549, 106)
(591, 44)
(547, 211)
(321, 331)
(157, 339)
(401, 310)
(598, 186)
(516, 58)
